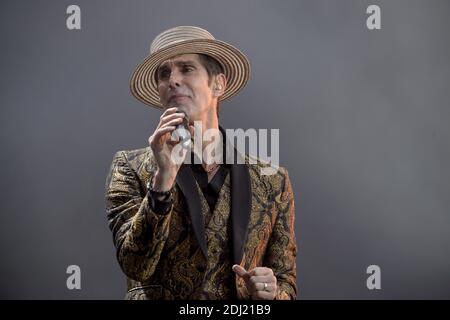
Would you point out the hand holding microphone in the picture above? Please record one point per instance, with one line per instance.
(172, 124)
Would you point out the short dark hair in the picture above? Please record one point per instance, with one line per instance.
(213, 68)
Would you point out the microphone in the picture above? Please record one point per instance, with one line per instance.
(182, 132)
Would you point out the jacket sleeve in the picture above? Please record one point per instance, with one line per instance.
(139, 234)
(282, 248)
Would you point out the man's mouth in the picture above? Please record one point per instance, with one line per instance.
(177, 97)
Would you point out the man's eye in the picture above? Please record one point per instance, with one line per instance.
(187, 69)
(164, 74)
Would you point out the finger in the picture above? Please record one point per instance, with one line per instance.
(159, 133)
(159, 137)
(254, 287)
(262, 279)
(170, 117)
(240, 271)
(172, 122)
(259, 286)
(168, 111)
(260, 271)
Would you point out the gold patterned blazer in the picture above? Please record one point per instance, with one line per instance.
(161, 254)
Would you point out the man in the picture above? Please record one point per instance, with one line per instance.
(198, 231)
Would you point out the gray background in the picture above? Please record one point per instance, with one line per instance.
(363, 118)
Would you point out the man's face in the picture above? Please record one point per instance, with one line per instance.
(183, 83)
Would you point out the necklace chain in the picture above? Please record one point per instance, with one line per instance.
(212, 168)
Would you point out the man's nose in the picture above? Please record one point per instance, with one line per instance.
(175, 79)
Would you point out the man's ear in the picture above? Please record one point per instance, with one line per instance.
(219, 85)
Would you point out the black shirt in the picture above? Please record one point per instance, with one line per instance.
(210, 190)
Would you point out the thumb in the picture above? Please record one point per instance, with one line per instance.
(241, 272)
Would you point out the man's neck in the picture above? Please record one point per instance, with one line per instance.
(210, 121)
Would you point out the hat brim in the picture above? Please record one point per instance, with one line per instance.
(235, 64)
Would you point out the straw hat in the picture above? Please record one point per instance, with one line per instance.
(183, 40)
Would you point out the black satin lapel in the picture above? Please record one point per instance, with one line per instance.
(241, 196)
(186, 182)
(241, 204)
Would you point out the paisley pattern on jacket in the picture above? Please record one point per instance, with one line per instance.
(160, 254)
